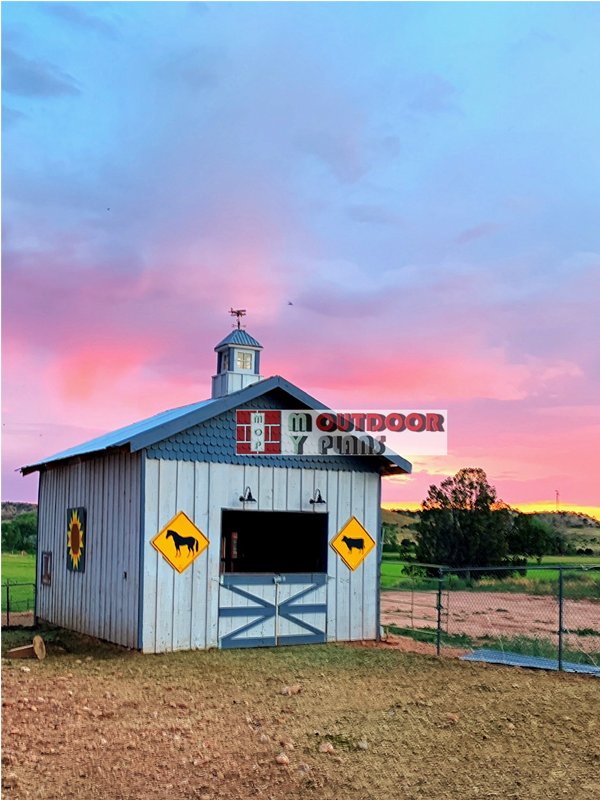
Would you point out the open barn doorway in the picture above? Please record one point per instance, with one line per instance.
(273, 578)
(273, 541)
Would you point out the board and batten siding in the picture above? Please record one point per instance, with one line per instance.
(103, 601)
(180, 611)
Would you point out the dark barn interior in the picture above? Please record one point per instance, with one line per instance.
(273, 542)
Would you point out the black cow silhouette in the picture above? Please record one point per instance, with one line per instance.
(350, 543)
(181, 541)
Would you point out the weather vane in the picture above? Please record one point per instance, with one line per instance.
(239, 313)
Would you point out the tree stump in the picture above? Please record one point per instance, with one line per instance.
(35, 650)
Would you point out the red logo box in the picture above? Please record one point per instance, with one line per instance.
(270, 435)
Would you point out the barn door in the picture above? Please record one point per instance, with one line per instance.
(269, 610)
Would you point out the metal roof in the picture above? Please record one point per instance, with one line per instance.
(238, 336)
(150, 431)
(121, 436)
(534, 662)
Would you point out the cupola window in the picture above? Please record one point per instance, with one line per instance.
(244, 360)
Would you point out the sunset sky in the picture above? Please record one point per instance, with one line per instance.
(420, 180)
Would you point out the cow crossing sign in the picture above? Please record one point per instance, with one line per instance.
(353, 544)
(180, 542)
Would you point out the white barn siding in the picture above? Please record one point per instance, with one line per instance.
(181, 611)
(100, 601)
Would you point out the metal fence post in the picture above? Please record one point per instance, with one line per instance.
(35, 605)
(7, 605)
(560, 618)
(439, 610)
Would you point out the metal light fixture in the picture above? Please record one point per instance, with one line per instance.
(247, 496)
(317, 500)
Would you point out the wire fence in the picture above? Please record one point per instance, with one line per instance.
(18, 604)
(544, 616)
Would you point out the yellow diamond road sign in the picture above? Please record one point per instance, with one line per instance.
(353, 544)
(180, 542)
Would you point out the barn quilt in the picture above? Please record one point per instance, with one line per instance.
(76, 539)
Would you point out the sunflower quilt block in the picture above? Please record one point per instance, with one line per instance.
(76, 539)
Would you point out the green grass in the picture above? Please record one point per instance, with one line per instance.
(18, 569)
(430, 635)
(586, 632)
(570, 560)
(576, 585)
(536, 646)
(394, 576)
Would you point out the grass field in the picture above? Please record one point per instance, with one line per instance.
(95, 721)
(18, 569)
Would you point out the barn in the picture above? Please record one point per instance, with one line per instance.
(163, 536)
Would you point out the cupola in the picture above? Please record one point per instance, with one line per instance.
(238, 362)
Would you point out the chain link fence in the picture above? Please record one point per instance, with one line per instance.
(536, 616)
(18, 604)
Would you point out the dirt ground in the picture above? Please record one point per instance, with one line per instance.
(96, 721)
(494, 614)
(20, 619)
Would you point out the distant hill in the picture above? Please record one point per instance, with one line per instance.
(405, 520)
(581, 530)
(11, 510)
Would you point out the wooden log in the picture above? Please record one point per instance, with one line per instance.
(39, 647)
(26, 651)
(35, 650)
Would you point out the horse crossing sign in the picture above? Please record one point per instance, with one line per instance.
(180, 542)
(353, 544)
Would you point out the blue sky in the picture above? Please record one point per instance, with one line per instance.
(419, 179)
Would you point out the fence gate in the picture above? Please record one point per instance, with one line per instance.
(272, 609)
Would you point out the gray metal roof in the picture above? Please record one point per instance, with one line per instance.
(534, 662)
(122, 436)
(238, 336)
(149, 432)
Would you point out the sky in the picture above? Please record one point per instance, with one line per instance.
(419, 180)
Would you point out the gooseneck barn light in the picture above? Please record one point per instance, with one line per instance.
(247, 496)
(317, 500)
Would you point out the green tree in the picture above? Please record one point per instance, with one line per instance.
(530, 537)
(407, 550)
(462, 523)
(389, 533)
(559, 545)
(20, 534)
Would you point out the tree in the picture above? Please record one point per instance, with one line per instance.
(389, 532)
(529, 536)
(559, 545)
(20, 534)
(407, 550)
(462, 523)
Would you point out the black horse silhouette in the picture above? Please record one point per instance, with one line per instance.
(181, 541)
